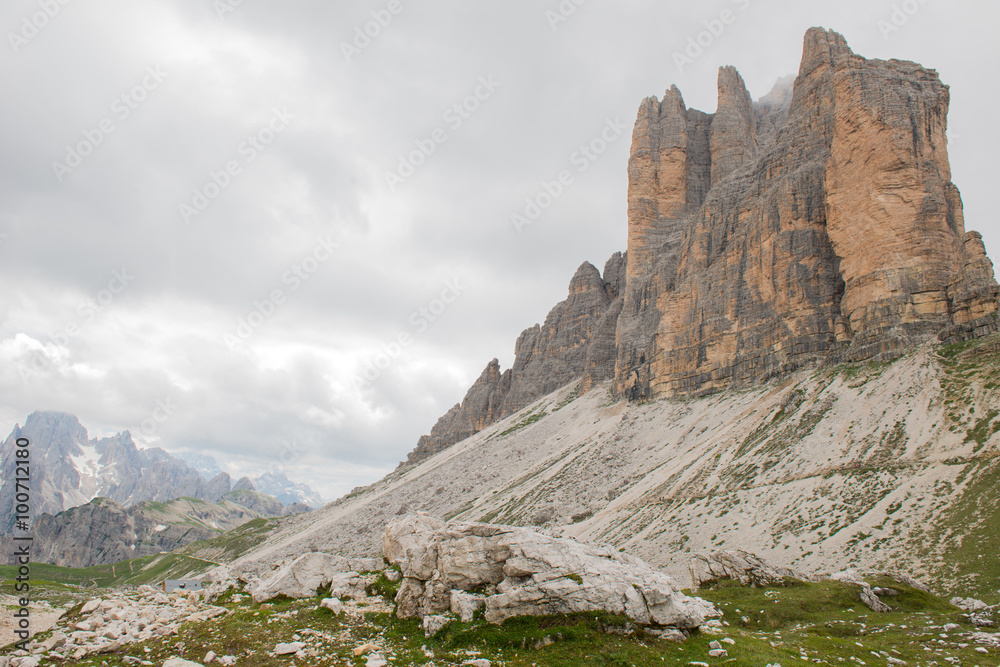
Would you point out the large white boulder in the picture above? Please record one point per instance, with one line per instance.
(533, 575)
(406, 544)
(302, 577)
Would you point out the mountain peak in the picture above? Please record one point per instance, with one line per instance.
(817, 226)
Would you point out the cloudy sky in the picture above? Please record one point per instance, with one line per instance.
(214, 215)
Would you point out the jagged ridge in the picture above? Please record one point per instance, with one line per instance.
(818, 225)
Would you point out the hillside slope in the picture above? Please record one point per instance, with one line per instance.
(871, 466)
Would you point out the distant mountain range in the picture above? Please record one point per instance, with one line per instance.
(69, 469)
(102, 532)
(277, 485)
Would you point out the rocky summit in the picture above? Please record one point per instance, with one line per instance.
(815, 226)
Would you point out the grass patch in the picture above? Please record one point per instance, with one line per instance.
(794, 624)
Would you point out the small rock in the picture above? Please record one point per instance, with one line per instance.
(375, 660)
(980, 649)
(671, 635)
(718, 653)
(363, 650)
(481, 662)
(895, 661)
(91, 606)
(952, 627)
(110, 647)
(729, 640)
(434, 624)
(180, 662)
(288, 649)
(393, 575)
(714, 645)
(333, 604)
(209, 657)
(466, 604)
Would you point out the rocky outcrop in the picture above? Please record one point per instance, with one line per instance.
(738, 565)
(577, 335)
(527, 574)
(840, 237)
(308, 574)
(867, 594)
(816, 226)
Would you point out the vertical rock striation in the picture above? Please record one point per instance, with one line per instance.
(839, 237)
(818, 225)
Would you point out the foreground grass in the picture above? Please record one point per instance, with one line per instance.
(796, 624)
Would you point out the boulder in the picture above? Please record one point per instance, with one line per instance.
(466, 604)
(347, 584)
(289, 649)
(301, 578)
(405, 544)
(969, 604)
(868, 596)
(434, 624)
(333, 604)
(534, 575)
(741, 566)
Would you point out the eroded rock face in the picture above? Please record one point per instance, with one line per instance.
(577, 335)
(818, 225)
(839, 237)
(532, 575)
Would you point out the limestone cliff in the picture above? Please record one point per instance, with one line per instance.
(575, 337)
(839, 237)
(815, 226)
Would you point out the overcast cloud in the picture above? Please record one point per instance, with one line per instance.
(121, 292)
